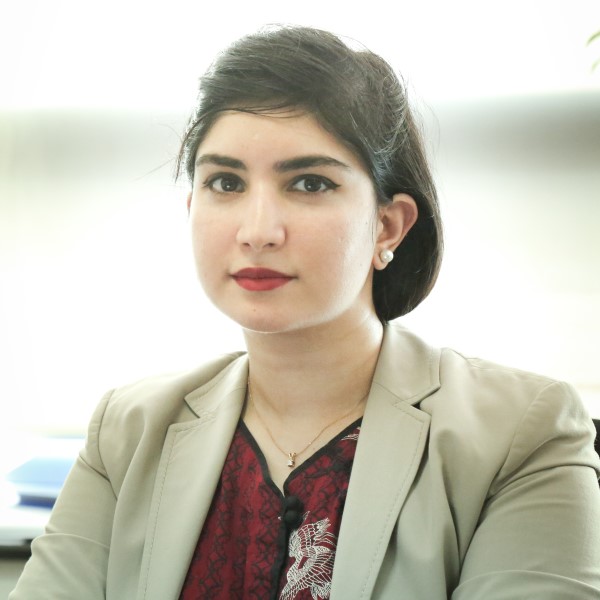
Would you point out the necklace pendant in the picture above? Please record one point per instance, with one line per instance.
(291, 463)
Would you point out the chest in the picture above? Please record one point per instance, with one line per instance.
(259, 541)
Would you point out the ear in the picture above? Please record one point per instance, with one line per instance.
(189, 202)
(395, 221)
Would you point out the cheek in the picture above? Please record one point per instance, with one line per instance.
(208, 240)
(347, 248)
(358, 240)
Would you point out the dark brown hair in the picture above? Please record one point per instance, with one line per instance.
(356, 96)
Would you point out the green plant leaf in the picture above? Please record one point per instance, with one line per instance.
(593, 37)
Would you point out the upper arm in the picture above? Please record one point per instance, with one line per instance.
(70, 559)
(539, 532)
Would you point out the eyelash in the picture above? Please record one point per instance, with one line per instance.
(323, 182)
(211, 181)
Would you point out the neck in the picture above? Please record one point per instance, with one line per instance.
(313, 374)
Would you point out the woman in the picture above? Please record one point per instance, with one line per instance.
(340, 457)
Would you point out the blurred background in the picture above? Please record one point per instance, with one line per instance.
(97, 283)
(97, 286)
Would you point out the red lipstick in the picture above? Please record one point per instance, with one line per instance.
(260, 280)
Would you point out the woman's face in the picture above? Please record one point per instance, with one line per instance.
(284, 223)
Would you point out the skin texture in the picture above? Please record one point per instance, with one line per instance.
(255, 214)
(317, 223)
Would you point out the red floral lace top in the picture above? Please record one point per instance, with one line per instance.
(258, 543)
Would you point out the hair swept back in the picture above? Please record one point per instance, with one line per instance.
(357, 97)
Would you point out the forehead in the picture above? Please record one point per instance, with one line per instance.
(277, 135)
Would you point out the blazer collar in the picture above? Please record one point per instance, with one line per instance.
(192, 459)
(407, 367)
(390, 449)
(388, 454)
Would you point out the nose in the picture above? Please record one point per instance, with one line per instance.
(262, 223)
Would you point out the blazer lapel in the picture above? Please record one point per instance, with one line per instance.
(388, 454)
(390, 448)
(186, 481)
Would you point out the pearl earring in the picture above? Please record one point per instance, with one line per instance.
(386, 256)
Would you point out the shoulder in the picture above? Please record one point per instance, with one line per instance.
(497, 395)
(163, 394)
(493, 413)
(134, 419)
(486, 382)
(514, 410)
(414, 370)
(517, 423)
(450, 376)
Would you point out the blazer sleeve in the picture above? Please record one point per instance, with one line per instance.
(538, 536)
(70, 559)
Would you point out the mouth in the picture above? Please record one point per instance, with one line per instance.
(260, 280)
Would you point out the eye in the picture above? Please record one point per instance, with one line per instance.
(312, 184)
(224, 183)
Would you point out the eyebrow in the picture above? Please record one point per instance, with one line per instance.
(304, 162)
(292, 164)
(220, 160)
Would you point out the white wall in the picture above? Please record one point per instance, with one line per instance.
(97, 286)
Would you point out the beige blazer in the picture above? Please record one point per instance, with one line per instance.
(470, 481)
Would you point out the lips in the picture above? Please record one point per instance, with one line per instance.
(260, 280)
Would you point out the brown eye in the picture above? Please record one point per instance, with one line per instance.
(313, 184)
(225, 184)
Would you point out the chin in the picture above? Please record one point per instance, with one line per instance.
(289, 324)
(269, 322)
(271, 318)
(268, 326)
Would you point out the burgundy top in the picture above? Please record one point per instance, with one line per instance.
(259, 543)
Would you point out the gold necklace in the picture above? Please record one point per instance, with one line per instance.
(291, 456)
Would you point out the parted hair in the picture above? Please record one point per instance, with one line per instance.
(357, 97)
